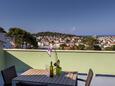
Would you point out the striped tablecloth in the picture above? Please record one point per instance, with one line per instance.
(42, 76)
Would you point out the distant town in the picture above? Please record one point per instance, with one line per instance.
(21, 39)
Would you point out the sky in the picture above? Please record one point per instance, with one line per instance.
(79, 17)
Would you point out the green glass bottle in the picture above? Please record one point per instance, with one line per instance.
(51, 70)
(58, 68)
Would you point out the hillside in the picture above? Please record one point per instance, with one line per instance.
(52, 34)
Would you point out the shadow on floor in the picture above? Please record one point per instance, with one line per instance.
(12, 60)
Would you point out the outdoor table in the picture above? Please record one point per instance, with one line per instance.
(42, 77)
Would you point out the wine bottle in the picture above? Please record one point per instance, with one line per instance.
(51, 70)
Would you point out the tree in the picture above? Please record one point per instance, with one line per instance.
(113, 47)
(97, 47)
(90, 42)
(2, 30)
(20, 36)
(108, 48)
(62, 46)
(81, 47)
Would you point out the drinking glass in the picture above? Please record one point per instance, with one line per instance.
(47, 69)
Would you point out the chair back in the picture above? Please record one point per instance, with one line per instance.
(8, 74)
(89, 78)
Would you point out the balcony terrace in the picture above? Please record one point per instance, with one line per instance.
(102, 63)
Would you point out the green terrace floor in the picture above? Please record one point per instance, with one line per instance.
(102, 62)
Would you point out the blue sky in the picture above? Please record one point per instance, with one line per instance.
(80, 17)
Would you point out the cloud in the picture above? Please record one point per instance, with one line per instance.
(74, 28)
